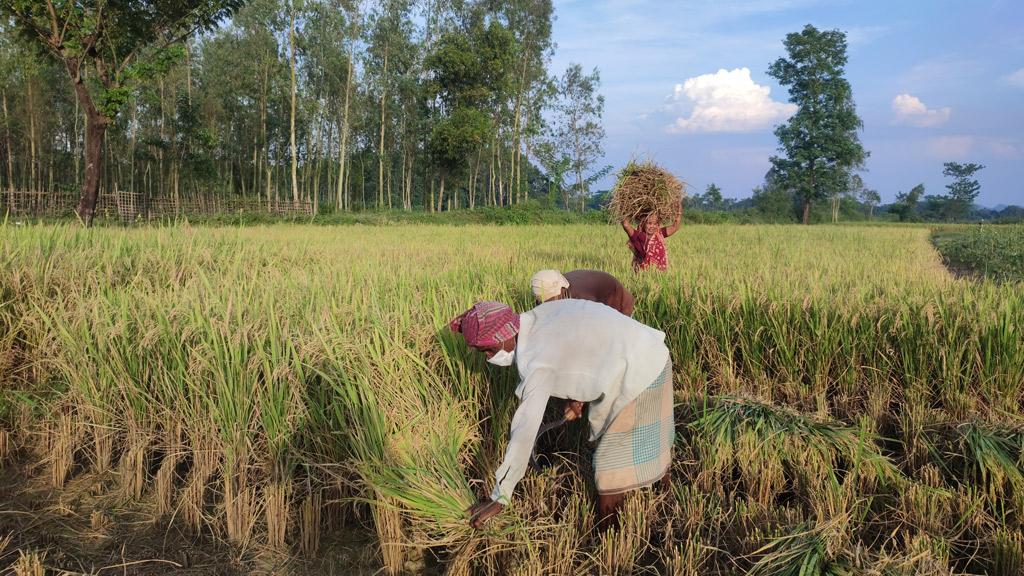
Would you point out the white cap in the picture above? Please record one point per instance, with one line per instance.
(547, 284)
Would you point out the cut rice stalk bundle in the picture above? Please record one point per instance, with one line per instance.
(801, 552)
(423, 478)
(644, 188)
(725, 426)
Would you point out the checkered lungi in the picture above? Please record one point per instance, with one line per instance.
(636, 450)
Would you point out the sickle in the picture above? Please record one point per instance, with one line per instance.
(543, 430)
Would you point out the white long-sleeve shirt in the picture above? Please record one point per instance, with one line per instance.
(578, 350)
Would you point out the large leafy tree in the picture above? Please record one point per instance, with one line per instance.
(468, 73)
(820, 142)
(963, 190)
(106, 46)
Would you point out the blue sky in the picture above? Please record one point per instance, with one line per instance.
(685, 83)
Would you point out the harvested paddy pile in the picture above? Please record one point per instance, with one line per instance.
(644, 188)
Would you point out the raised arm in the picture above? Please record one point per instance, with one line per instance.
(670, 230)
(628, 227)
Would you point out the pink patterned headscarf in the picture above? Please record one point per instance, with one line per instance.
(486, 324)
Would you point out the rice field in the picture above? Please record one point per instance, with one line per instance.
(844, 404)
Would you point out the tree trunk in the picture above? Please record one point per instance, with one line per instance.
(132, 144)
(342, 197)
(95, 129)
(501, 179)
(408, 181)
(473, 181)
(295, 152)
(163, 140)
(10, 151)
(807, 211)
(76, 148)
(33, 182)
(440, 194)
(491, 197)
(270, 192)
(517, 131)
(582, 192)
(380, 149)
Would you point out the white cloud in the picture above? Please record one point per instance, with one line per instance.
(910, 110)
(1004, 149)
(726, 101)
(861, 35)
(950, 147)
(1015, 78)
(944, 74)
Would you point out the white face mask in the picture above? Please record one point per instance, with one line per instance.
(502, 358)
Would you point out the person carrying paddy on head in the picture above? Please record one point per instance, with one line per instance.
(649, 195)
(593, 285)
(582, 352)
(647, 241)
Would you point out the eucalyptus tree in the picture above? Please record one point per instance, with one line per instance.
(389, 56)
(578, 129)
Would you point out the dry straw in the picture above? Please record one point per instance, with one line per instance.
(643, 188)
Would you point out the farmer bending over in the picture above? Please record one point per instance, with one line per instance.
(580, 351)
(647, 241)
(591, 285)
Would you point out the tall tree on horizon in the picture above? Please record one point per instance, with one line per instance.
(819, 142)
(963, 190)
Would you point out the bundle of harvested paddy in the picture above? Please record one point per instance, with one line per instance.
(422, 476)
(643, 188)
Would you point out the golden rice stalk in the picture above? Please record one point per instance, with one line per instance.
(429, 486)
(30, 564)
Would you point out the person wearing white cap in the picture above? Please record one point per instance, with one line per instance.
(593, 285)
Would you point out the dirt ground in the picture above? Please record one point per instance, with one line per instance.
(87, 528)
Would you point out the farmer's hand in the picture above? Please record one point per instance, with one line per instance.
(482, 511)
(573, 410)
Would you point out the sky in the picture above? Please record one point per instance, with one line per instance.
(686, 84)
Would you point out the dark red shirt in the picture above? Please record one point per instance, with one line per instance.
(602, 287)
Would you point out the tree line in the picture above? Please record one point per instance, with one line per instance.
(853, 201)
(343, 104)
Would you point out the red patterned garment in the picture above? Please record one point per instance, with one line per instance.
(487, 323)
(648, 251)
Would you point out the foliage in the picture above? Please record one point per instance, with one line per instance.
(578, 130)
(906, 203)
(454, 138)
(369, 93)
(108, 49)
(991, 251)
(820, 142)
(963, 190)
(870, 198)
